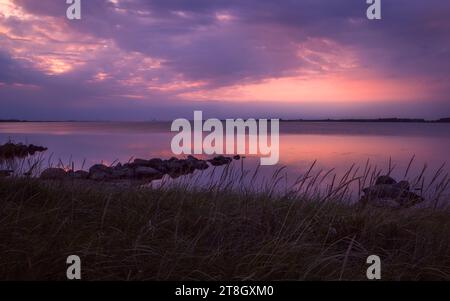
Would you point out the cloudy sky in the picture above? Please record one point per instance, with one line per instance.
(162, 59)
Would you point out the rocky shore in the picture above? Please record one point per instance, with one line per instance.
(385, 193)
(11, 150)
(139, 169)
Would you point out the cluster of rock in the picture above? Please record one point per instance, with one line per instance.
(12, 150)
(389, 193)
(139, 169)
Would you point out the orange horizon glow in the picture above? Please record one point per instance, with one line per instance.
(326, 88)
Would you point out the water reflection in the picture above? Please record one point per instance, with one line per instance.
(334, 145)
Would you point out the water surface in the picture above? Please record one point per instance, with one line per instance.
(335, 146)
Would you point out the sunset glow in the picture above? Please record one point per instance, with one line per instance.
(323, 89)
(169, 55)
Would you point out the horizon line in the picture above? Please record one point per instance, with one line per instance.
(387, 120)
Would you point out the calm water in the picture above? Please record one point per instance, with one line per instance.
(334, 145)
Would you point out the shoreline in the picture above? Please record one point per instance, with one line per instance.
(357, 120)
(376, 189)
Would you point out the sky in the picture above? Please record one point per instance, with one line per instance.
(163, 59)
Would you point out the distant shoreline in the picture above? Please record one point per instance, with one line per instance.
(387, 120)
(356, 120)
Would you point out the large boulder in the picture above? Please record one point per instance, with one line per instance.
(122, 172)
(157, 164)
(220, 160)
(201, 165)
(80, 174)
(195, 163)
(383, 191)
(385, 203)
(100, 167)
(402, 185)
(388, 193)
(140, 162)
(12, 150)
(32, 149)
(54, 174)
(176, 167)
(100, 172)
(148, 173)
(385, 180)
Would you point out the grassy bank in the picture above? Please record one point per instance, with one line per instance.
(174, 234)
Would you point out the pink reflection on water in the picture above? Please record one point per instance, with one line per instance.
(341, 151)
(334, 146)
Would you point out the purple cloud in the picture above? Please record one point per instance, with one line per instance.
(128, 55)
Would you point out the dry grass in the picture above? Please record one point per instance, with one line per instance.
(182, 233)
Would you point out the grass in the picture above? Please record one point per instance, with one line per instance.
(178, 233)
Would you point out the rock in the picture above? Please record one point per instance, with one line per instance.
(175, 167)
(129, 165)
(383, 191)
(149, 169)
(201, 165)
(53, 174)
(403, 185)
(192, 158)
(140, 162)
(100, 172)
(100, 168)
(385, 180)
(120, 172)
(98, 175)
(385, 203)
(195, 163)
(157, 164)
(388, 193)
(12, 150)
(32, 149)
(410, 199)
(148, 172)
(220, 160)
(80, 174)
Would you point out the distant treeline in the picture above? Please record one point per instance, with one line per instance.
(11, 120)
(414, 120)
(19, 120)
